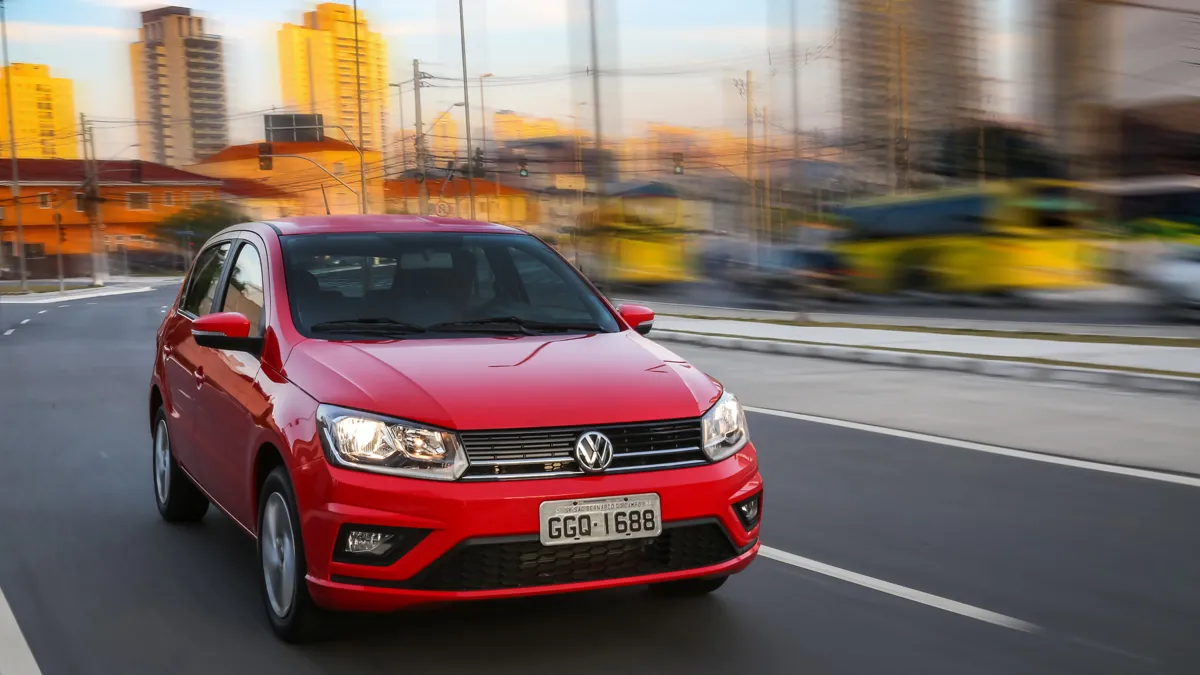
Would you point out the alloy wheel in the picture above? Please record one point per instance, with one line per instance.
(278, 546)
(162, 462)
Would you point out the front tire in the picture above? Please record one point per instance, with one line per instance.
(177, 497)
(687, 588)
(293, 615)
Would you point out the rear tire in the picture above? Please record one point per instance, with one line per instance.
(177, 497)
(293, 615)
(688, 588)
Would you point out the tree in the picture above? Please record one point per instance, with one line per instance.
(199, 222)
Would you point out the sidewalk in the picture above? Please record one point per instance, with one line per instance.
(114, 286)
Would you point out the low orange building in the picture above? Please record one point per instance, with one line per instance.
(135, 197)
(494, 202)
(312, 190)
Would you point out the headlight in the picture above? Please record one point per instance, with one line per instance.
(724, 428)
(381, 444)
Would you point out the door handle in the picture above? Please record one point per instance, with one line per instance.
(199, 377)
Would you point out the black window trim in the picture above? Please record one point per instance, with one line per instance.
(242, 241)
(230, 239)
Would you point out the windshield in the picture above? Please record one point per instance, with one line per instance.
(383, 285)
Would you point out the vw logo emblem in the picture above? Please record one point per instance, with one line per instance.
(593, 452)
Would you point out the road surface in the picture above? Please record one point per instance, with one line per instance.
(889, 555)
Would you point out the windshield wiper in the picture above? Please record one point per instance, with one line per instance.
(368, 325)
(515, 324)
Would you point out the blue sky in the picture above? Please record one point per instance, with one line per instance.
(87, 40)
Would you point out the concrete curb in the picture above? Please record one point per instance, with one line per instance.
(1163, 384)
(79, 294)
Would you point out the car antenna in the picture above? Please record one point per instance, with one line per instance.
(326, 198)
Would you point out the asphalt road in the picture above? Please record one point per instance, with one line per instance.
(721, 294)
(1101, 565)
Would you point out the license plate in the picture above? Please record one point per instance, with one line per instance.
(573, 521)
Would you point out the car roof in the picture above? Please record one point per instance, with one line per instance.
(384, 223)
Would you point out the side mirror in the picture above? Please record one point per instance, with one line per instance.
(639, 318)
(226, 330)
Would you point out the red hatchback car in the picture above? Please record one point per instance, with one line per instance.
(405, 410)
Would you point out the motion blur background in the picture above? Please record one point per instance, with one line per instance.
(701, 151)
(939, 248)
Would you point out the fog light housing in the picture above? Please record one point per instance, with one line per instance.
(369, 543)
(374, 545)
(749, 511)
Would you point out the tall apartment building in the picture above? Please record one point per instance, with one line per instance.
(43, 113)
(178, 88)
(317, 72)
(907, 66)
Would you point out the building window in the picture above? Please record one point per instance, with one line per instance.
(43, 200)
(80, 203)
(339, 168)
(197, 197)
(35, 251)
(168, 199)
(137, 201)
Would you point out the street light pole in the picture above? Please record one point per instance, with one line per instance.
(462, 35)
(12, 146)
(483, 126)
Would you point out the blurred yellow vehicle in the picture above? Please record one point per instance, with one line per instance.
(640, 236)
(998, 238)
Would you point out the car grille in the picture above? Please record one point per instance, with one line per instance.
(484, 565)
(543, 453)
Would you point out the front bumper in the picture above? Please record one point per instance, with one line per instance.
(482, 539)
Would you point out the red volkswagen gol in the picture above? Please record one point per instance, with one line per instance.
(406, 410)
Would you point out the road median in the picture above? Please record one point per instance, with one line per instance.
(993, 365)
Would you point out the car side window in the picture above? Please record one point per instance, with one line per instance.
(202, 287)
(245, 291)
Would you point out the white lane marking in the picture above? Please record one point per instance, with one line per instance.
(15, 656)
(1190, 481)
(24, 321)
(63, 306)
(92, 303)
(43, 311)
(912, 594)
(9, 331)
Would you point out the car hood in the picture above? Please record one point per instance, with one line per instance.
(506, 382)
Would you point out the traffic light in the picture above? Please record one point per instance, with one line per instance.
(265, 161)
(524, 164)
(678, 157)
(477, 163)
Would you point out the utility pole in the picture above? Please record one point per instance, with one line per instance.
(766, 177)
(12, 147)
(403, 148)
(362, 170)
(750, 158)
(462, 33)
(906, 174)
(99, 207)
(91, 196)
(595, 49)
(419, 142)
(795, 59)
